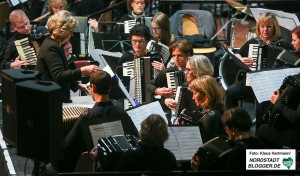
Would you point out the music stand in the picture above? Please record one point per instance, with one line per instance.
(112, 42)
(236, 59)
(79, 41)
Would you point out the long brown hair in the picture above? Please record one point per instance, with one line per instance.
(162, 20)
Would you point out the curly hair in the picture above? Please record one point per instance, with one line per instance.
(162, 20)
(61, 25)
(269, 18)
(212, 90)
(140, 30)
(154, 131)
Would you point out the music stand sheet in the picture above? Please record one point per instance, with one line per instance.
(286, 20)
(140, 113)
(105, 129)
(183, 142)
(264, 83)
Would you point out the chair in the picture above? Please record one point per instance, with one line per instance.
(85, 163)
(183, 22)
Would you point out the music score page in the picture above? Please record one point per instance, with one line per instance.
(264, 83)
(183, 142)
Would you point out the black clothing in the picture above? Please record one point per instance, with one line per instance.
(74, 141)
(146, 158)
(210, 124)
(239, 90)
(284, 131)
(52, 65)
(10, 52)
(236, 158)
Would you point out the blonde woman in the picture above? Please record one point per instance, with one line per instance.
(52, 62)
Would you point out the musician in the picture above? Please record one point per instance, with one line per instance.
(139, 36)
(288, 133)
(237, 123)
(160, 25)
(151, 154)
(196, 66)
(296, 39)
(21, 25)
(53, 7)
(181, 49)
(268, 33)
(100, 85)
(51, 62)
(137, 12)
(208, 96)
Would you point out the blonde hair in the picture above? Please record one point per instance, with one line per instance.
(201, 64)
(208, 85)
(269, 18)
(56, 3)
(16, 16)
(61, 24)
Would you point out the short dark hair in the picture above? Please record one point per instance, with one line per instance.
(183, 45)
(102, 81)
(237, 118)
(140, 30)
(154, 131)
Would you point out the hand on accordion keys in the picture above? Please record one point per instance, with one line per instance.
(275, 96)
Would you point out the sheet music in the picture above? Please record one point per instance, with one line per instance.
(264, 83)
(105, 129)
(183, 142)
(97, 55)
(286, 20)
(140, 113)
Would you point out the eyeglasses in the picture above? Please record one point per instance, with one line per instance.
(138, 41)
(24, 25)
(156, 29)
(268, 27)
(188, 70)
(139, 3)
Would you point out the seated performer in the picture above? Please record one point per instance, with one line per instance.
(100, 85)
(208, 96)
(9, 56)
(283, 119)
(237, 123)
(181, 50)
(296, 39)
(139, 36)
(268, 33)
(160, 25)
(53, 7)
(196, 66)
(52, 63)
(137, 12)
(151, 154)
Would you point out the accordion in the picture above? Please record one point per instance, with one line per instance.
(162, 49)
(110, 149)
(214, 149)
(290, 92)
(70, 116)
(26, 51)
(288, 58)
(181, 99)
(259, 55)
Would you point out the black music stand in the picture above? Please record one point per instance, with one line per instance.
(112, 42)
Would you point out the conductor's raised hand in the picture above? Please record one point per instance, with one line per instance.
(89, 69)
